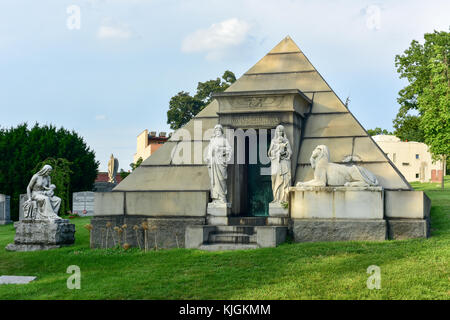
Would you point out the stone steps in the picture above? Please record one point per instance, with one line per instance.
(233, 234)
(229, 237)
(247, 221)
(234, 237)
(227, 246)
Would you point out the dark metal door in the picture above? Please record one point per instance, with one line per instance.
(259, 183)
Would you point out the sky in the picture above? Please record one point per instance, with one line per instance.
(108, 68)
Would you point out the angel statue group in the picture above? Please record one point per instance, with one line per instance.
(218, 155)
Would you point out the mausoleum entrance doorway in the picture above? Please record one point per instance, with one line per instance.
(251, 184)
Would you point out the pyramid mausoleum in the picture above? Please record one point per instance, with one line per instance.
(171, 188)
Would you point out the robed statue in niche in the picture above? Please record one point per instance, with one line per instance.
(280, 153)
(217, 156)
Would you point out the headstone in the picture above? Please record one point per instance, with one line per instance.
(5, 214)
(22, 198)
(103, 186)
(16, 279)
(83, 203)
(33, 235)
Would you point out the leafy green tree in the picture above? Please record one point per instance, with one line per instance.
(124, 174)
(426, 69)
(183, 107)
(414, 66)
(22, 148)
(407, 127)
(377, 130)
(60, 177)
(137, 164)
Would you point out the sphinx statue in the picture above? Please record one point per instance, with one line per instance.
(333, 174)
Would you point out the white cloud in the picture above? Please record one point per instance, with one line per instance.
(101, 117)
(373, 17)
(113, 30)
(217, 38)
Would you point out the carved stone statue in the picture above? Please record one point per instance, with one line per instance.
(333, 174)
(113, 167)
(280, 153)
(42, 203)
(217, 156)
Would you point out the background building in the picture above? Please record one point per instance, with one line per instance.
(413, 159)
(147, 143)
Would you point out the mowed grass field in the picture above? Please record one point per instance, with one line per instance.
(410, 269)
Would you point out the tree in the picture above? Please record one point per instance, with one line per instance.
(137, 164)
(183, 107)
(60, 177)
(413, 65)
(426, 69)
(377, 130)
(124, 174)
(23, 148)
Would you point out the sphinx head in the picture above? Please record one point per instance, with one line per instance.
(320, 152)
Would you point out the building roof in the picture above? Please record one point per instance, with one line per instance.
(329, 122)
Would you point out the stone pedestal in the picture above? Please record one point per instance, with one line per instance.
(278, 216)
(5, 214)
(337, 203)
(338, 213)
(217, 213)
(33, 235)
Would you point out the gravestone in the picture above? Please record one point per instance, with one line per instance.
(83, 202)
(5, 213)
(22, 198)
(16, 279)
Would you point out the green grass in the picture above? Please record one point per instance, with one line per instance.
(410, 269)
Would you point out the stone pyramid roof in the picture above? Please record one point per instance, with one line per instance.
(329, 122)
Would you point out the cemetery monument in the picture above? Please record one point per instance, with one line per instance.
(41, 228)
(264, 184)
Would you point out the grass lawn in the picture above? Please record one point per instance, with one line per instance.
(410, 269)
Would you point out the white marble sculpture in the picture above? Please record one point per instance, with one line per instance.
(42, 204)
(217, 156)
(280, 153)
(333, 174)
(113, 166)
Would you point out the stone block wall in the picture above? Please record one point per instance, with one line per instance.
(164, 232)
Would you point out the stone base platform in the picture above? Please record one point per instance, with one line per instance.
(337, 202)
(164, 233)
(218, 213)
(311, 230)
(399, 229)
(33, 235)
(213, 238)
(5, 222)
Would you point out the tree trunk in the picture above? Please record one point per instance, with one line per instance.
(444, 158)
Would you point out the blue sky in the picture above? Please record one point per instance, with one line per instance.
(114, 76)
